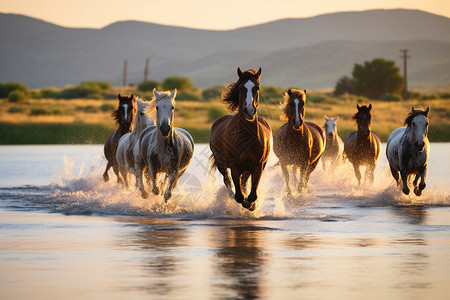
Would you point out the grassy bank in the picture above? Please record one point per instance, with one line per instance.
(80, 121)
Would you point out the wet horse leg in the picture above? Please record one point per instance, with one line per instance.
(396, 175)
(226, 180)
(244, 180)
(357, 172)
(285, 172)
(256, 176)
(105, 174)
(173, 179)
(152, 173)
(404, 176)
(309, 170)
(236, 175)
(422, 185)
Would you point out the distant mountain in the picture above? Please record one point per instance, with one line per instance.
(311, 53)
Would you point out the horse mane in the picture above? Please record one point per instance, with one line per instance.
(230, 96)
(285, 107)
(414, 113)
(150, 111)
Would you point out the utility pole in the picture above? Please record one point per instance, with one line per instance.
(124, 82)
(405, 57)
(147, 62)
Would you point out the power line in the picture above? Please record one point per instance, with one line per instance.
(405, 57)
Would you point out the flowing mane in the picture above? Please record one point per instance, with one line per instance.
(285, 107)
(230, 96)
(414, 113)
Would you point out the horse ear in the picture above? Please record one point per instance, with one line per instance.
(239, 72)
(173, 95)
(304, 92)
(325, 117)
(155, 92)
(370, 106)
(427, 111)
(358, 107)
(289, 92)
(258, 74)
(119, 96)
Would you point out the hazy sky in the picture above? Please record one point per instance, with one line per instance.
(205, 14)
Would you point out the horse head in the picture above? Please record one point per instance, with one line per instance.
(249, 92)
(165, 105)
(294, 107)
(364, 119)
(417, 122)
(330, 127)
(126, 111)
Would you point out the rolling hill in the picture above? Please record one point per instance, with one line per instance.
(310, 53)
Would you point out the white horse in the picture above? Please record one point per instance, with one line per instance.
(128, 147)
(164, 148)
(407, 150)
(334, 146)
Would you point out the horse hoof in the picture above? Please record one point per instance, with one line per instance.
(417, 191)
(406, 190)
(167, 196)
(239, 198)
(422, 186)
(252, 197)
(144, 194)
(106, 177)
(251, 206)
(155, 190)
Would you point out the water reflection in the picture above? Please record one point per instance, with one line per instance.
(412, 215)
(241, 259)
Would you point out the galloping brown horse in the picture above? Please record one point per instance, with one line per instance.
(362, 147)
(297, 143)
(241, 142)
(124, 117)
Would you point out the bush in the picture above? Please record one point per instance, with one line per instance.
(212, 93)
(39, 112)
(177, 82)
(271, 94)
(107, 107)
(16, 109)
(96, 85)
(6, 88)
(17, 96)
(148, 85)
(343, 86)
(183, 95)
(391, 97)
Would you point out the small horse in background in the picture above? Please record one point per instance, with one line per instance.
(124, 116)
(363, 147)
(297, 143)
(241, 142)
(163, 148)
(407, 150)
(128, 147)
(334, 146)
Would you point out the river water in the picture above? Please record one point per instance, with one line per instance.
(65, 234)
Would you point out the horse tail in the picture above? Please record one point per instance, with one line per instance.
(212, 164)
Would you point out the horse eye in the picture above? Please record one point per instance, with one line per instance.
(157, 108)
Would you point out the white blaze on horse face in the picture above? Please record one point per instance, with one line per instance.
(125, 107)
(249, 97)
(420, 130)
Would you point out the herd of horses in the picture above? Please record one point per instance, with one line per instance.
(147, 145)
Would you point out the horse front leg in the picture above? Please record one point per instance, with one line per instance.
(173, 179)
(404, 176)
(152, 173)
(422, 185)
(287, 178)
(226, 180)
(236, 175)
(369, 174)
(140, 173)
(256, 176)
(357, 173)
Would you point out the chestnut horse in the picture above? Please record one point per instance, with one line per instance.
(241, 142)
(124, 117)
(297, 143)
(362, 147)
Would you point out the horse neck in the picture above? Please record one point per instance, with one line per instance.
(363, 138)
(245, 125)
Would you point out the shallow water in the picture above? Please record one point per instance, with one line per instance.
(66, 233)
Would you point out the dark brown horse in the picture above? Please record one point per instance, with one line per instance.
(362, 147)
(297, 143)
(124, 117)
(241, 142)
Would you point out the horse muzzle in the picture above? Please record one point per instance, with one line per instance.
(420, 147)
(249, 114)
(165, 129)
